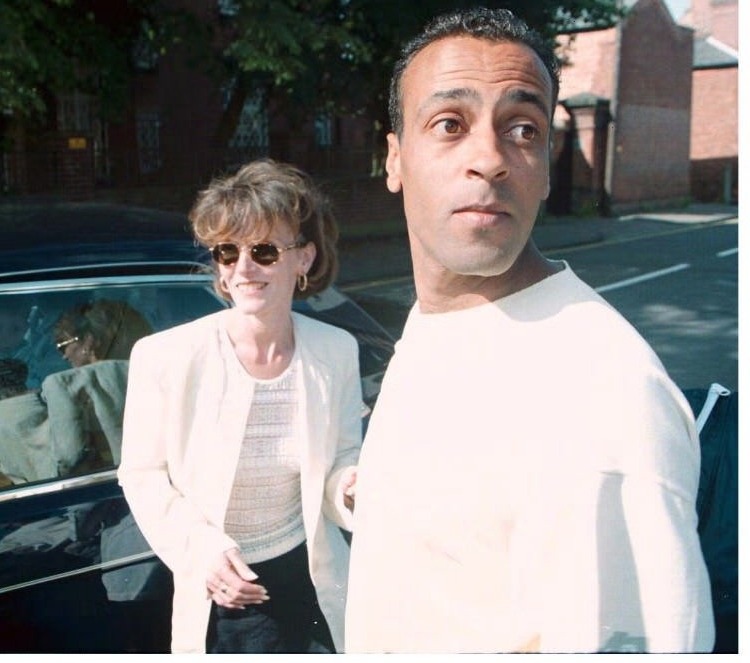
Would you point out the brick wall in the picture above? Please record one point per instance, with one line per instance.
(714, 149)
(714, 121)
(652, 113)
(364, 201)
(718, 18)
(714, 180)
(644, 69)
(76, 166)
(356, 201)
(589, 63)
(652, 155)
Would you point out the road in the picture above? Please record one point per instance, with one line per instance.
(679, 289)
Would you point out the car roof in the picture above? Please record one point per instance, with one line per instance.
(61, 238)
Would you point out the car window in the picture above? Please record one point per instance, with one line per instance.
(63, 369)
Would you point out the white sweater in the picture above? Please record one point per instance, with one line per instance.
(528, 483)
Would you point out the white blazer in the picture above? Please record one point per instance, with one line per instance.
(184, 423)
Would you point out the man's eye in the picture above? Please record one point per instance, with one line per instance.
(450, 126)
(524, 132)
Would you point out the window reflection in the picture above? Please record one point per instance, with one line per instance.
(63, 372)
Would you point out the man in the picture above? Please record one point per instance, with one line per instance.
(529, 475)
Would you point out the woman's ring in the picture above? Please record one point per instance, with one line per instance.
(223, 588)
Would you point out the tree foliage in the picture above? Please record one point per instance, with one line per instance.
(337, 55)
(310, 57)
(49, 47)
(307, 56)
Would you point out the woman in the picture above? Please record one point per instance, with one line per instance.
(242, 430)
(72, 424)
(98, 330)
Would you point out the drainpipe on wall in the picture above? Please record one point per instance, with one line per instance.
(728, 172)
(609, 172)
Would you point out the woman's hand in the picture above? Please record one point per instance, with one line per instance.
(231, 585)
(349, 485)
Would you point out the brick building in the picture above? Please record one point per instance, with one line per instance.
(714, 145)
(623, 123)
(180, 126)
(638, 106)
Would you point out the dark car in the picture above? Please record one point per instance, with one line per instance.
(76, 574)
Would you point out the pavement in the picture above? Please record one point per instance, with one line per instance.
(382, 253)
(557, 234)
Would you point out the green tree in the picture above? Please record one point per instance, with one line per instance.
(49, 47)
(308, 56)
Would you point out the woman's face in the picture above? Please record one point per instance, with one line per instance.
(78, 351)
(266, 290)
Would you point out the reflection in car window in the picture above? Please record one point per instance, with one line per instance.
(63, 371)
(14, 315)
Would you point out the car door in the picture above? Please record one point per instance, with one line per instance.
(76, 574)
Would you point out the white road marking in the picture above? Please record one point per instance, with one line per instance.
(643, 277)
(728, 252)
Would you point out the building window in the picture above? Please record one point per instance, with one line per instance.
(323, 131)
(74, 113)
(144, 53)
(252, 127)
(228, 8)
(148, 127)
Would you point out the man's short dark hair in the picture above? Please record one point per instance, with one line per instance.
(497, 25)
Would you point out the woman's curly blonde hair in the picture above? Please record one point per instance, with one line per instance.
(248, 205)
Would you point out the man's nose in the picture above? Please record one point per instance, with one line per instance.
(487, 157)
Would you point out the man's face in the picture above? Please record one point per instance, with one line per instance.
(473, 156)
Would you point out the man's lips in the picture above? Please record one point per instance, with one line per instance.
(483, 208)
(482, 214)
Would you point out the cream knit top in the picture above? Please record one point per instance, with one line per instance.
(264, 513)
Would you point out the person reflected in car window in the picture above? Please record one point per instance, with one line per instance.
(102, 329)
(242, 429)
(96, 338)
(12, 327)
(13, 374)
(72, 424)
(14, 371)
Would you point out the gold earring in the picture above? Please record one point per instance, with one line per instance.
(302, 282)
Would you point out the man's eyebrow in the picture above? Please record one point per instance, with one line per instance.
(515, 95)
(521, 96)
(449, 95)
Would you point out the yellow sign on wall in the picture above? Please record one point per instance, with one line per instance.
(77, 143)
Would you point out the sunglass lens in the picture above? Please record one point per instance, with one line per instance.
(264, 253)
(226, 253)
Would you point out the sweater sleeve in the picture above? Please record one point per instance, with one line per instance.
(622, 568)
(657, 502)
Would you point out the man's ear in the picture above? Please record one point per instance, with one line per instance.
(393, 164)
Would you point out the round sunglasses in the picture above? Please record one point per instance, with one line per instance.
(262, 253)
